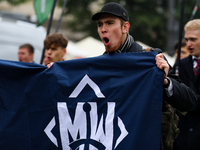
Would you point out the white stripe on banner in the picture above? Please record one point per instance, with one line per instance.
(43, 4)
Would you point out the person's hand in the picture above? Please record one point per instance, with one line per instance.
(162, 64)
(49, 65)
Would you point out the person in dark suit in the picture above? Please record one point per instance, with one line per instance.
(189, 125)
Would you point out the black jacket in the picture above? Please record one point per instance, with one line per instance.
(183, 97)
(189, 125)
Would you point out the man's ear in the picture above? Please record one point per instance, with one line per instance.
(126, 27)
(31, 55)
(64, 51)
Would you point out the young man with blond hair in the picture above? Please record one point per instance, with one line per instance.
(189, 137)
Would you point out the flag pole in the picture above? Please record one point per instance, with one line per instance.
(180, 37)
(195, 9)
(59, 21)
(48, 28)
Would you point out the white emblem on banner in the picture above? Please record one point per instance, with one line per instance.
(48, 132)
(86, 80)
(88, 129)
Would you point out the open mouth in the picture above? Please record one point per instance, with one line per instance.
(190, 50)
(49, 58)
(106, 41)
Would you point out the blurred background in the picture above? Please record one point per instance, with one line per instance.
(154, 23)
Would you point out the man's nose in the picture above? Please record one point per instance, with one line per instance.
(104, 29)
(189, 43)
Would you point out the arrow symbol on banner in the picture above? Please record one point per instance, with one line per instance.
(48, 132)
(86, 80)
(123, 130)
(77, 142)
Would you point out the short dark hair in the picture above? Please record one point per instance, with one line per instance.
(57, 39)
(28, 46)
(183, 43)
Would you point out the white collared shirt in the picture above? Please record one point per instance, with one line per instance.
(194, 61)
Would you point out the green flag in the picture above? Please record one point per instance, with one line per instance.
(42, 9)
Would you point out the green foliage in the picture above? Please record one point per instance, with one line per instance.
(147, 23)
(189, 6)
(15, 2)
(148, 18)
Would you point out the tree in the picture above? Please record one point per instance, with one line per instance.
(150, 20)
(81, 11)
(15, 2)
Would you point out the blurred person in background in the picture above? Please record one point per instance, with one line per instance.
(55, 47)
(183, 54)
(45, 59)
(184, 50)
(25, 53)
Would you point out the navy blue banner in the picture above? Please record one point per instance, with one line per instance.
(110, 102)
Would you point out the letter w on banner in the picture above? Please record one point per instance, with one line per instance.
(110, 102)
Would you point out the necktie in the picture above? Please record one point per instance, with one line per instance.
(197, 66)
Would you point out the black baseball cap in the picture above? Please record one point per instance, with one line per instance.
(114, 9)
